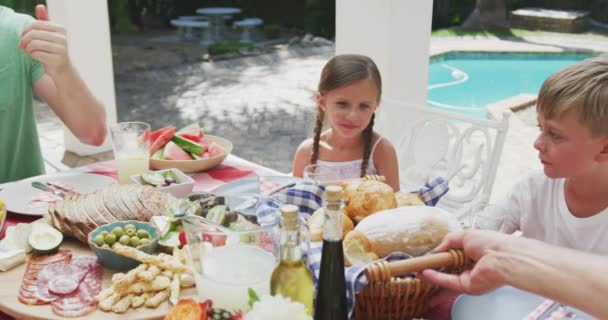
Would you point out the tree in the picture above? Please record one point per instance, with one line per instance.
(489, 14)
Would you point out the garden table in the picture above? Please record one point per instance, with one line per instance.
(216, 19)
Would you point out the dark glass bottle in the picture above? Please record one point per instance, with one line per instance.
(331, 292)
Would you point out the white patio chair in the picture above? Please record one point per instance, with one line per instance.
(464, 150)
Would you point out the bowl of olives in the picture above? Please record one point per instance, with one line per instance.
(141, 235)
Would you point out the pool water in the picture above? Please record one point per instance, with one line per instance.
(467, 82)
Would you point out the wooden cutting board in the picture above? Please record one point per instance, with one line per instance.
(11, 282)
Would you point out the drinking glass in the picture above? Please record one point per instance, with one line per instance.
(131, 142)
(227, 261)
(323, 172)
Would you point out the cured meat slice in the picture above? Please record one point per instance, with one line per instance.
(28, 293)
(77, 303)
(43, 294)
(61, 255)
(63, 285)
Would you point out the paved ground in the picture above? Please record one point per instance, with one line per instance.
(263, 103)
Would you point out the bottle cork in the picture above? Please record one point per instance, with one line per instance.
(333, 193)
(290, 215)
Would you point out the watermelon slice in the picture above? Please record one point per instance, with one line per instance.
(212, 149)
(190, 127)
(156, 133)
(162, 139)
(193, 135)
(174, 152)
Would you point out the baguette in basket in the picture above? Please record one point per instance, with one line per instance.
(414, 230)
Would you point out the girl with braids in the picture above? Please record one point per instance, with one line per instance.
(348, 95)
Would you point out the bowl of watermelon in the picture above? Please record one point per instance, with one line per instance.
(188, 149)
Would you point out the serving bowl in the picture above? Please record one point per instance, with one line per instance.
(196, 165)
(108, 258)
(180, 189)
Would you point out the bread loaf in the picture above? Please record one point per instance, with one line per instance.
(408, 199)
(365, 197)
(357, 249)
(316, 224)
(414, 230)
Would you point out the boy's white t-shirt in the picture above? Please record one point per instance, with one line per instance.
(537, 206)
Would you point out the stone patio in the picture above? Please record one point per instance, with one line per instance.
(264, 103)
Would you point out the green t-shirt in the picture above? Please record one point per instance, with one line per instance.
(20, 155)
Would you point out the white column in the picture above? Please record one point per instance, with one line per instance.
(88, 29)
(396, 34)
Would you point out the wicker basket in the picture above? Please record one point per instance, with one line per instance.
(389, 297)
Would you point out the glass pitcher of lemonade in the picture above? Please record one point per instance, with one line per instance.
(233, 245)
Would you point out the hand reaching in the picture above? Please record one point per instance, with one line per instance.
(480, 246)
(46, 42)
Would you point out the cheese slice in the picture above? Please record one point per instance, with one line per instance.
(11, 258)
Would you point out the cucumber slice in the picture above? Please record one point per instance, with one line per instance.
(217, 214)
(153, 178)
(44, 238)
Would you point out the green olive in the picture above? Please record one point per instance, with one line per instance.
(129, 226)
(118, 231)
(114, 245)
(124, 240)
(144, 241)
(110, 239)
(104, 233)
(134, 241)
(99, 240)
(105, 246)
(141, 233)
(130, 232)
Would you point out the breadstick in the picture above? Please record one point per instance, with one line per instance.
(138, 301)
(149, 275)
(123, 304)
(106, 305)
(117, 276)
(167, 273)
(105, 294)
(163, 262)
(125, 281)
(174, 297)
(187, 280)
(157, 299)
(160, 283)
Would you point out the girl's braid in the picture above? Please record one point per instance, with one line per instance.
(317, 136)
(368, 134)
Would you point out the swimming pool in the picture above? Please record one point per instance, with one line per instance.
(466, 82)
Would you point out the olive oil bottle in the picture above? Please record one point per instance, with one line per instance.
(291, 278)
(331, 290)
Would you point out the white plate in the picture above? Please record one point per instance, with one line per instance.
(251, 185)
(18, 195)
(505, 303)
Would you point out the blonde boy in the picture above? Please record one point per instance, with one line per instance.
(567, 204)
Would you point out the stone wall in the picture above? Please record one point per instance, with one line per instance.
(550, 20)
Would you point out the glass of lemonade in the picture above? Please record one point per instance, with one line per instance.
(131, 142)
(230, 258)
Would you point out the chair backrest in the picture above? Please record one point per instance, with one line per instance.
(464, 150)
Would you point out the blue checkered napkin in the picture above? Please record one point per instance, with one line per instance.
(433, 191)
(306, 194)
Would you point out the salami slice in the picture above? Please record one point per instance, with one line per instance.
(28, 293)
(63, 285)
(77, 303)
(43, 294)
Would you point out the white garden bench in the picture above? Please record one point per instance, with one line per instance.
(188, 25)
(246, 25)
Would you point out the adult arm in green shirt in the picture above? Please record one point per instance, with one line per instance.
(565, 275)
(61, 87)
